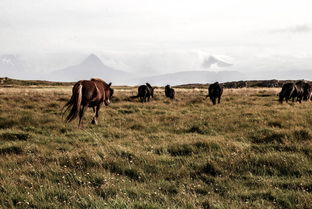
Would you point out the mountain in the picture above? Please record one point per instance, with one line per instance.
(191, 77)
(91, 67)
(11, 66)
(212, 61)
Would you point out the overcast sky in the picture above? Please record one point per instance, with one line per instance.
(121, 29)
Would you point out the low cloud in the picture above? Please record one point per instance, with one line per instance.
(305, 28)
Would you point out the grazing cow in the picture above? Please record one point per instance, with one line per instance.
(287, 92)
(169, 92)
(307, 90)
(88, 93)
(299, 90)
(215, 91)
(292, 91)
(145, 92)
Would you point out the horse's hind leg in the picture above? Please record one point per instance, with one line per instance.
(96, 114)
(219, 98)
(81, 113)
(94, 117)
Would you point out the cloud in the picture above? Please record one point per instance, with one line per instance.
(304, 28)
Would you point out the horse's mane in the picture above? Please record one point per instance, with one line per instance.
(100, 80)
(97, 79)
(149, 85)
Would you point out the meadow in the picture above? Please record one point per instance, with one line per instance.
(248, 152)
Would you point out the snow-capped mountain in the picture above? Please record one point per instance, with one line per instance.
(213, 61)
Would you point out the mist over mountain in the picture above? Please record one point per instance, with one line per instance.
(160, 68)
(11, 66)
(212, 61)
(91, 67)
(192, 77)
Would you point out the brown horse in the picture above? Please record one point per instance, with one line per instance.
(88, 93)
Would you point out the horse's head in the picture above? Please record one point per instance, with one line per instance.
(108, 94)
(151, 89)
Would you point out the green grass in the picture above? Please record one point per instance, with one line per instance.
(248, 152)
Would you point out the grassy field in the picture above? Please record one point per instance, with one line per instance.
(248, 152)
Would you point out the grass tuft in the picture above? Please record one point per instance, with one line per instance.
(302, 135)
(181, 150)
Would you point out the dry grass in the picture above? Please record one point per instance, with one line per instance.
(248, 152)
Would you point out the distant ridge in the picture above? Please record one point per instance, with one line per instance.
(192, 77)
(5, 81)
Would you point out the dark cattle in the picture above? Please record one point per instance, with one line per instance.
(307, 90)
(145, 92)
(299, 90)
(88, 93)
(215, 91)
(292, 91)
(169, 92)
(287, 92)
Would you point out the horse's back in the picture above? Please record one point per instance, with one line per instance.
(215, 89)
(91, 90)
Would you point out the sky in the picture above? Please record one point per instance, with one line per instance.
(164, 34)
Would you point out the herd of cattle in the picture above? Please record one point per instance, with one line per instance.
(299, 91)
(95, 92)
(146, 91)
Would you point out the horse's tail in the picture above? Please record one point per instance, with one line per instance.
(74, 103)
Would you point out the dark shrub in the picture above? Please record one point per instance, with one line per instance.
(11, 150)
(15, 136)
(181, 150)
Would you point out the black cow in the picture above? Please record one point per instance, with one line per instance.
(287, 92)
(145, 92)
(299, 90)
(169, 92)
(292, 91)
(215, 91)
(307, 90)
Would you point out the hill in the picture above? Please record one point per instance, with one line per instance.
(192, 77)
